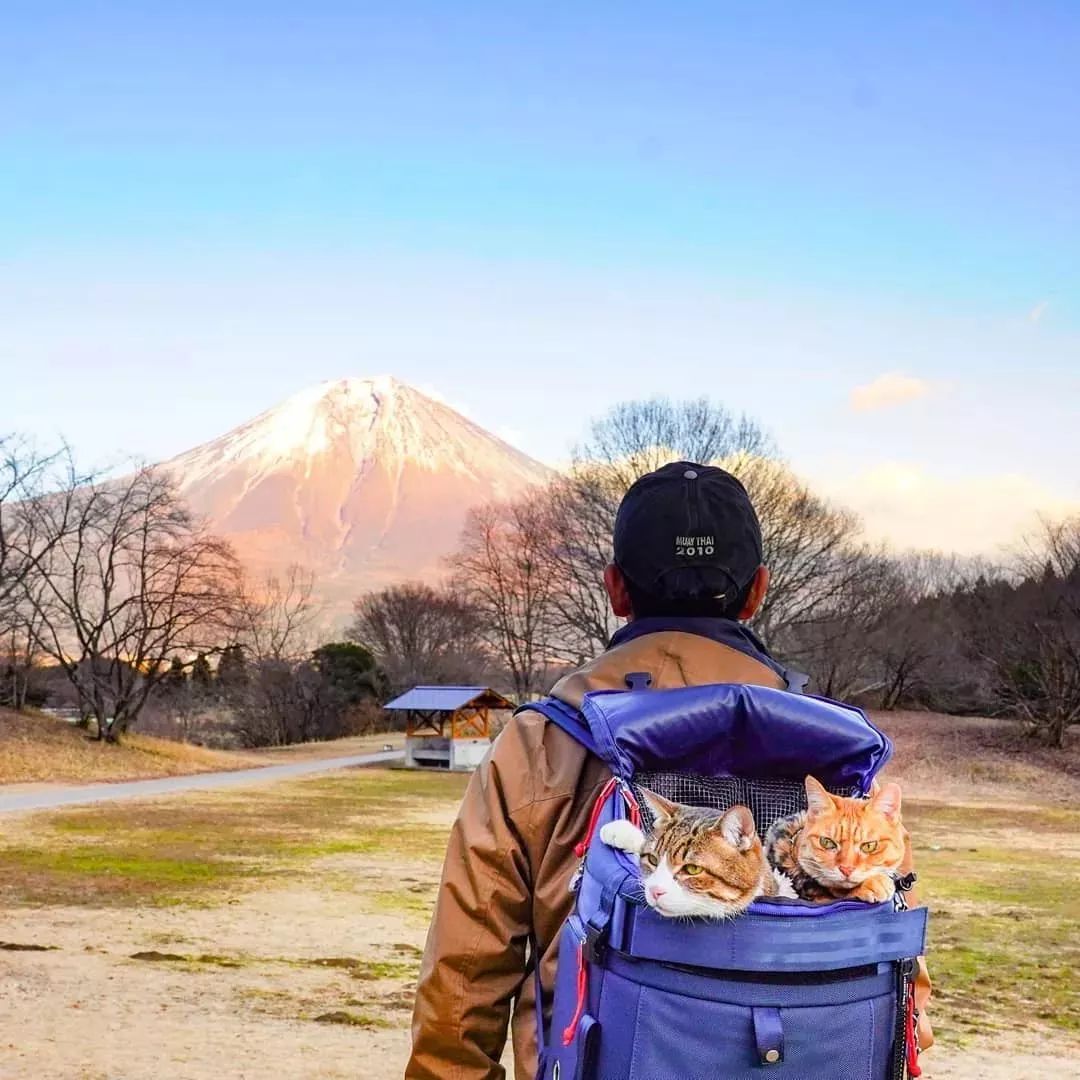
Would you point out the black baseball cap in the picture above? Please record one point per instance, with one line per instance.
(688, 533)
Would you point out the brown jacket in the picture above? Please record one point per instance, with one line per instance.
(510, 859)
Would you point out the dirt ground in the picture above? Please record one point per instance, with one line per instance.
(89, 1012)
(275, 933)
(266, 933)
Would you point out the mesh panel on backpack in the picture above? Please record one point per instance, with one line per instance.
(769, 800)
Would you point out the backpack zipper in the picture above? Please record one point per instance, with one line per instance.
(902, 1065)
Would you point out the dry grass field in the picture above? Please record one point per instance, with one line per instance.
(275, 931)
(40, 749)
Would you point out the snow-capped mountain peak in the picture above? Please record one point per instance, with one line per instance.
(363, 480)
(370, 417)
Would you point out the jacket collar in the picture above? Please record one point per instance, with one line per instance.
(674, 657)
(728, 632)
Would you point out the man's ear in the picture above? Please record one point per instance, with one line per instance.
(759, 586)
(617, 592)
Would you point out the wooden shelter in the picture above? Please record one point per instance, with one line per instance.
(448, 727)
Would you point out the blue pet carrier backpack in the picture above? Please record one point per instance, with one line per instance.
(790, 988)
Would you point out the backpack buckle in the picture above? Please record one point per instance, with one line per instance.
(905, 883)
(903, 887)
(593, 942)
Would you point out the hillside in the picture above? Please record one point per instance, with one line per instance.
(363, 481)
(36, 748)
(976, 760)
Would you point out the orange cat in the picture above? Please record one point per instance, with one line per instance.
(839, 848)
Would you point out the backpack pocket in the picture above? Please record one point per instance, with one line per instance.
(574, 1033)
(685, 1026)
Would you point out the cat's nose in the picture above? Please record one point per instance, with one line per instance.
(845, 870)
(656, 891)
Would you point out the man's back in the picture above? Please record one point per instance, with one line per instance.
(687, 571)
(511, 853)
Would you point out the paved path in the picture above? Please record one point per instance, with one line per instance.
(51, 798)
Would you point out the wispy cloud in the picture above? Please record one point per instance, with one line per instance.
(911, 506)
(1038, 311)
(888, 390)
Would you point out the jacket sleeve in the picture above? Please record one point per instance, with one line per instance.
(475, 958)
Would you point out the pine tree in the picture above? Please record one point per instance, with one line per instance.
(232, 668)
(201, 675)
(175, 680)
(350, 669)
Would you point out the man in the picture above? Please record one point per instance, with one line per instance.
(687, 571)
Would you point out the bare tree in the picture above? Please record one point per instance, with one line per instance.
(284, 703)
(636, 437)
(578, 513)
(20, 655)
(419, 634)
(1028, 631)
(25, 476)
(834, 640)
(812, 548)
(129, 580)
(19, 468)
(888, 634)
(277, 616)
(1053, 549)
(913, 643)
(502, 568)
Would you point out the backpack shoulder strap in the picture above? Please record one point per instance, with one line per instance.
(564, 716)
(571, 721)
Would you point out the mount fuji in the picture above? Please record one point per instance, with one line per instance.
(362, 481)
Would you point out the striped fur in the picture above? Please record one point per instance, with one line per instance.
(696, 861)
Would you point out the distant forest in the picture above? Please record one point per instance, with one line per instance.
(116, 603)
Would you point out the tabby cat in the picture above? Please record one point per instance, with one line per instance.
(698, 861)
(840, 848)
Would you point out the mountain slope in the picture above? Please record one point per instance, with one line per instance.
(363, 481)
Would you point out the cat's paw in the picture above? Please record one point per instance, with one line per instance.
(623, 835)
(784, 887)
(875, 889)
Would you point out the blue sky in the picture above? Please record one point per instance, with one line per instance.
(537, 210)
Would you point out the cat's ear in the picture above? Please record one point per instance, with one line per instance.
(738, 829)
(662, 809)
(887, 801)
(817, 798)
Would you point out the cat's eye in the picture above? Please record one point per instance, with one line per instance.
(649, 859)
(692, 869)
(869, 846)
(828, 843)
